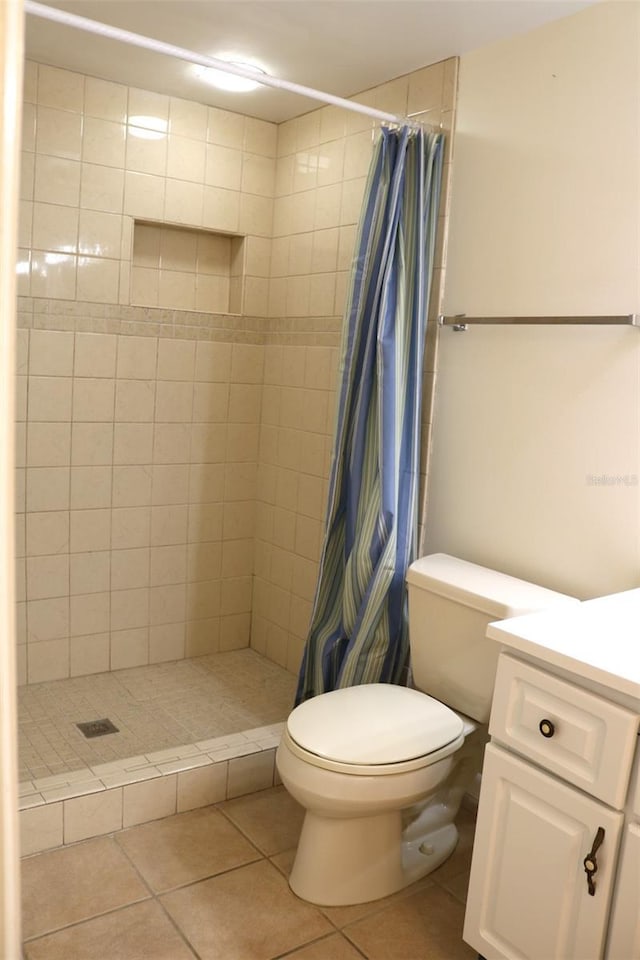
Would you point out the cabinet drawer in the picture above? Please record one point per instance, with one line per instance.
(576, 734)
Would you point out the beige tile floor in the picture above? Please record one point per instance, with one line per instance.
(154, 707)
(211, 885)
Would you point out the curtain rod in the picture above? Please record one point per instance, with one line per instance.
(461, 321)
(168, 49)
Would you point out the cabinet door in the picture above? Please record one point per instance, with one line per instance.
(624, 935)
(528, 894)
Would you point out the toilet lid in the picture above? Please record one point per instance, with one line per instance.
(374, 723)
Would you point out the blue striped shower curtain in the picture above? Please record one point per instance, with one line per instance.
(358, 630)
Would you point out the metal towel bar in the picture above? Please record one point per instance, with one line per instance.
(461, 321)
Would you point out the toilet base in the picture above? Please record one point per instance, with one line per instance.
(342, 862)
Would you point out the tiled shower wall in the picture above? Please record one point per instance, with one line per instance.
(136, 496)
(173, 464)
(90, 169)
(323, 159)
(138, 427)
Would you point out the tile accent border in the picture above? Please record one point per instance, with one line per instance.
(79, 316)
(93, 801)
(82, 316)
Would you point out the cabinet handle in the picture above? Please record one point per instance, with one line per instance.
(590, 863)
(546, 728)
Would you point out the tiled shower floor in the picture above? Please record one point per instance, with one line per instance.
(154, 707)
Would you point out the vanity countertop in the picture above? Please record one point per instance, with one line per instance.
(598, 640)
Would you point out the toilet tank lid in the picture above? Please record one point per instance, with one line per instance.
(494, 593)
(374, 723)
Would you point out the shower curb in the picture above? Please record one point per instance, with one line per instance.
(101, 799)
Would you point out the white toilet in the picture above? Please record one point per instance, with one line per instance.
(381, 769)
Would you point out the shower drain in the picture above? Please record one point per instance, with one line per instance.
(97, 728)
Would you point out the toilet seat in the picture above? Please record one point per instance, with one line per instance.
(373, 729)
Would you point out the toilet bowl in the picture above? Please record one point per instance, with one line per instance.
(336, 760)
(380, 769)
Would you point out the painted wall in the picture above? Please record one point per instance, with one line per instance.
(536, 460)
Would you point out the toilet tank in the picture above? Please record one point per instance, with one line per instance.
(451, 602)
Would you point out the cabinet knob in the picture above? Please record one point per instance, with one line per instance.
(546, 728)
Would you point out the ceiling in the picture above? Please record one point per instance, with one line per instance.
(340, 46)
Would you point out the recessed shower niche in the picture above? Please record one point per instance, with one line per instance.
(179, 268)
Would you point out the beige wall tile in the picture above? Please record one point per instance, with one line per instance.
(102, 188)
(90, 487)
(89, 613)
(170, 484)
(95, 355)
(57, 180)
(168, 525)
(129, 571)
(183, 202)
(93, 815)
(105, 99)
(204, 561)
(150, 800)
(131, 486)
(40, 828)
(47, 488)
(167, 642)
(203, 636)
(60, 88)
(89, 654)
(221, 209)
(50, 398)
(51, 354)
(132, 443)
(134, 401)
(223, 167)
(100, 234)
(90, 573)
(47, 577)
(202, 786)
(213, 361)
(48, 444)
(47, 656)
(144, 195)
(93, 399)
(129, 648)
(47, 533)
(58, 133)
(188, 119)
(53, 275)
(251, 773)
(260, 137)
(130, 527)
(98, 279)
(103, 142)
(167, 604)
(137, 358)
(54, 227)
(129, 609)
(145, 155)
(186, 159)
(89, 530)
(168, 565)
(91, 444)
(224, 128)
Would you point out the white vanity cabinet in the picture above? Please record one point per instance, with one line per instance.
(624, 938)
(557, 796)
